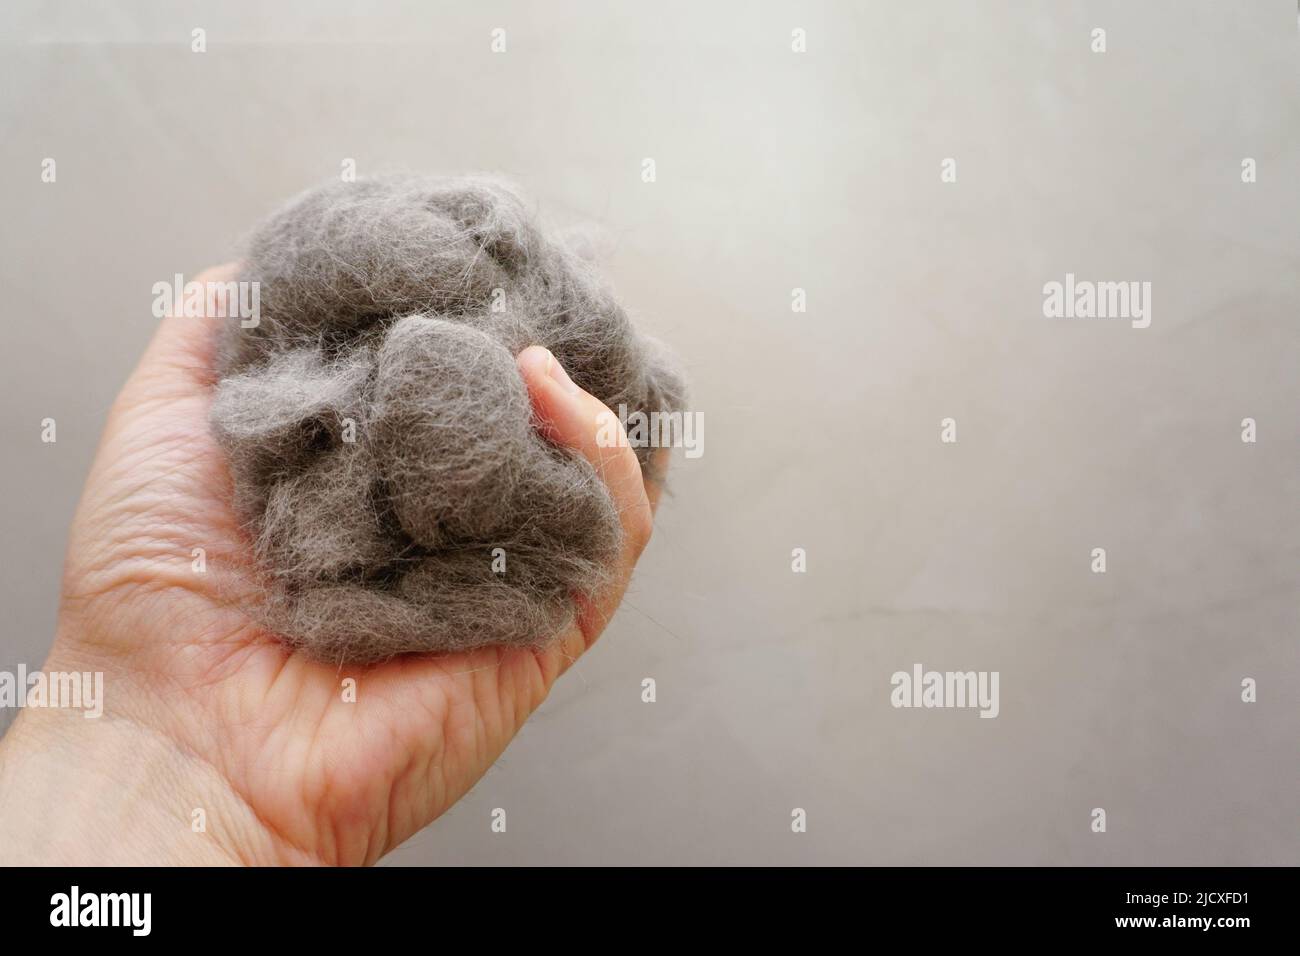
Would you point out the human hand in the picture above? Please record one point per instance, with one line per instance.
(205, 710)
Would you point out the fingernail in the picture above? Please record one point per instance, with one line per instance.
(557, 372)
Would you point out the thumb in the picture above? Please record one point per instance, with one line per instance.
(179, 360)
(576, 419)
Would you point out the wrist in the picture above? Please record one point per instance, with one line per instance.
(107, 791)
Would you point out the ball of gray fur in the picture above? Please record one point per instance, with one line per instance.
(391, 311)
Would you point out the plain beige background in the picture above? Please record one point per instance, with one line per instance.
(779, 170)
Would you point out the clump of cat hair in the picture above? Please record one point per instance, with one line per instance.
(380, 437)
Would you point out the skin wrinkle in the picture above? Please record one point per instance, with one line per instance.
(399, 303)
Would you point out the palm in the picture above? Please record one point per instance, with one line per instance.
(331, 778)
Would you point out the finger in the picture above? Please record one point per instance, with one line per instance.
(578, 420)
(179, 359)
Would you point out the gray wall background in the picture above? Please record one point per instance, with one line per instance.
(779, 170)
